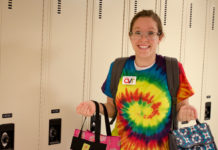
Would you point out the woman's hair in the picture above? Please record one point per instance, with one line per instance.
(147, 13)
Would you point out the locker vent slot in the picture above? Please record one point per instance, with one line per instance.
(58, 6)
(190, 17)
(165, 13)
(136, 7)
(100, 9)
(9, 4)
(213, 18)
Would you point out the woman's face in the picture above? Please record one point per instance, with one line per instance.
(144, 37)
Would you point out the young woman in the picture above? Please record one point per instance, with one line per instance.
(144, 106)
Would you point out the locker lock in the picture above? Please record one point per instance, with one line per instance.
(7, 137)
(207, 113)
(54, 131)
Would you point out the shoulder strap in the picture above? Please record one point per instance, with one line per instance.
(172, 70)
(115, 78)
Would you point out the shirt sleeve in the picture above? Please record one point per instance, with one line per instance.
(106, 85)
(185, 90)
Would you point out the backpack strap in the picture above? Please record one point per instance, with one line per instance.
(172, 70)
(115, 78)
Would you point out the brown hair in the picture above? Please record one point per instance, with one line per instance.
(147, 13)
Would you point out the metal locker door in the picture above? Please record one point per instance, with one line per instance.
(106, 42)
(63, 65)
(209, 105)
(192, 51)
(136, 6)
(171, 17)
(20, 69)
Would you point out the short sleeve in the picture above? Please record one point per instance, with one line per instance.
(106, 85)
(185, 90)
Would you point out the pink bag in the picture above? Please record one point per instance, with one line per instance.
(86, 140)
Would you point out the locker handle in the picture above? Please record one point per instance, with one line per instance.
(207, 113)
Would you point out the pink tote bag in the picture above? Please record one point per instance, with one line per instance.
(87, 140)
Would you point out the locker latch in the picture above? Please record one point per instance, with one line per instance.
(207, 112)
(7, 137)
(54, 131)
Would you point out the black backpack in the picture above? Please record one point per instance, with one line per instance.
(172, 70)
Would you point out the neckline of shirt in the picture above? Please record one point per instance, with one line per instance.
(142, 68)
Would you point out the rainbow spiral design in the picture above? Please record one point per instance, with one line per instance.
(142, 119)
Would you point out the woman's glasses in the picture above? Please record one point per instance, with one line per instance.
(150, 35)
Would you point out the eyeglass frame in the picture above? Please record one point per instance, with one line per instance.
(146, 34)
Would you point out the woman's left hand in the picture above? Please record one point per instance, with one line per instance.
(187, 113)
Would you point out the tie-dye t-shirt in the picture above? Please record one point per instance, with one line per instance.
(144, 105)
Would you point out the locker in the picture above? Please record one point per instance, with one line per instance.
(136, 6)
(106, 42)
(192, 51)
(171, 17)
(20, 69)
(63, 66)
(210, 82)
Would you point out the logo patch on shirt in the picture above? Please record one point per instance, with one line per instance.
(129, 80)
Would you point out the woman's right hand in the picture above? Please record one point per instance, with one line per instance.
(86, 108)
